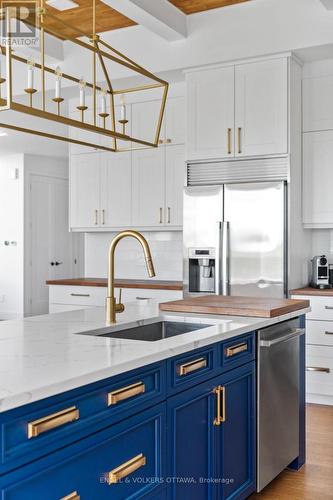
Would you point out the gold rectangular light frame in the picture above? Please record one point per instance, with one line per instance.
(100, 50)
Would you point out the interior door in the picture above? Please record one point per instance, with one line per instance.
(50, 241)
(256, 261)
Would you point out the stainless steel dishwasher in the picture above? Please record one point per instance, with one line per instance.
(278, 399)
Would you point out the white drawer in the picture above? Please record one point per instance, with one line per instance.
(133, 294)
(320, 379)
(321, 307)
(77, 295)
(319, 332)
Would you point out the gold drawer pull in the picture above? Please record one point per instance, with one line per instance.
(192, 366)
(220, 405)
(125, 393)
(71, 496)
(126, 469)
(317, 369)
(52, 421)
(229, 141)
(236, 349)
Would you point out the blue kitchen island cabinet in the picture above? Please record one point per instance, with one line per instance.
(181, 428)
(212, 438)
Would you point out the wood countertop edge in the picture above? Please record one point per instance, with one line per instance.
(235, 310)
(328, 292)
(149, 285)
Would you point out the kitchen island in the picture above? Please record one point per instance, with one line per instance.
(86, 416)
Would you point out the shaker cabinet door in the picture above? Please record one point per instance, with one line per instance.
(261, 104)
(148, 187)
(116, 195)
(210, 114)
(174, 185)
(175, 119)
(317, 179)
(85, 173)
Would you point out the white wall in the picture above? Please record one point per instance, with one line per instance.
(166, 249)
(12, 230)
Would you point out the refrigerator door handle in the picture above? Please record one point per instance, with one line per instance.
(225, 258)
(218, 259)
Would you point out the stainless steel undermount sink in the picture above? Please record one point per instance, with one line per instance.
(155, 331)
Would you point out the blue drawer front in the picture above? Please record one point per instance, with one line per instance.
(84, 467)
(187, 370)
(94, 411)
(237, 351)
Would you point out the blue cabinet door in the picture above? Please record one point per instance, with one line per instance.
(191, 443)
(211, 458)
(236, 435)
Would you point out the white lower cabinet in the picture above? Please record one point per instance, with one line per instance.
(319, 349)
(64, 298)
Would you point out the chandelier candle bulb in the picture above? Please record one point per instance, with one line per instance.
(82, 86)
(103, 101)
(123, 108)
(30, 74)
(58, 83)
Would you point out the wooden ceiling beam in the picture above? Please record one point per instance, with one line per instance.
(159, 16)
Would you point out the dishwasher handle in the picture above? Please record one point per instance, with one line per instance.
(297, 332)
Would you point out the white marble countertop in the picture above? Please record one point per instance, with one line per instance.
(46, 355)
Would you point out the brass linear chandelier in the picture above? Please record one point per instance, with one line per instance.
(100, 53)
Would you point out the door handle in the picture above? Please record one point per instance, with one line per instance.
(220, 405)
(103, 216)
(329, 307)
(52, 263)
(96, 217)
(239, 140)
(297, 332)
(225, 258)
(58, 263)
(317, 369)
(161, 215)
(169, 215)
(229, 141)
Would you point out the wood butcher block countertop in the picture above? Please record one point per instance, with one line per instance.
(236, 306)
(120, 283)
(324, 292)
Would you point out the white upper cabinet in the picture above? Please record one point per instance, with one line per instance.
(174, 123)
(85, 185)
(145, 117)
(174, 185)
(116, 195)
(261, 104)
(210, 113)
(148, 187)
(144, 120)
(318, 179)
(238, 110)
(318, 103)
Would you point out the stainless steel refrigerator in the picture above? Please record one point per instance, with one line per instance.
(235, 239)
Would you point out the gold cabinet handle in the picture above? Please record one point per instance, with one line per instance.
(317, 369)
(328, 333)
(71, 496)
(236, 349)
(130, 391)
(220, 405)
(161, 215)
(160, 141)
(239, 140)
(329, 307)
(52, 421)
(103, 216)
(169, 141)
(192, 366)
(96, 217)
(169, 215)
(229, 141)
(126, 469)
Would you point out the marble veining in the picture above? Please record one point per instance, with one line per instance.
(45, 355)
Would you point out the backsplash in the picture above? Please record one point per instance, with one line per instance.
(166, 249)
(322, 243)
